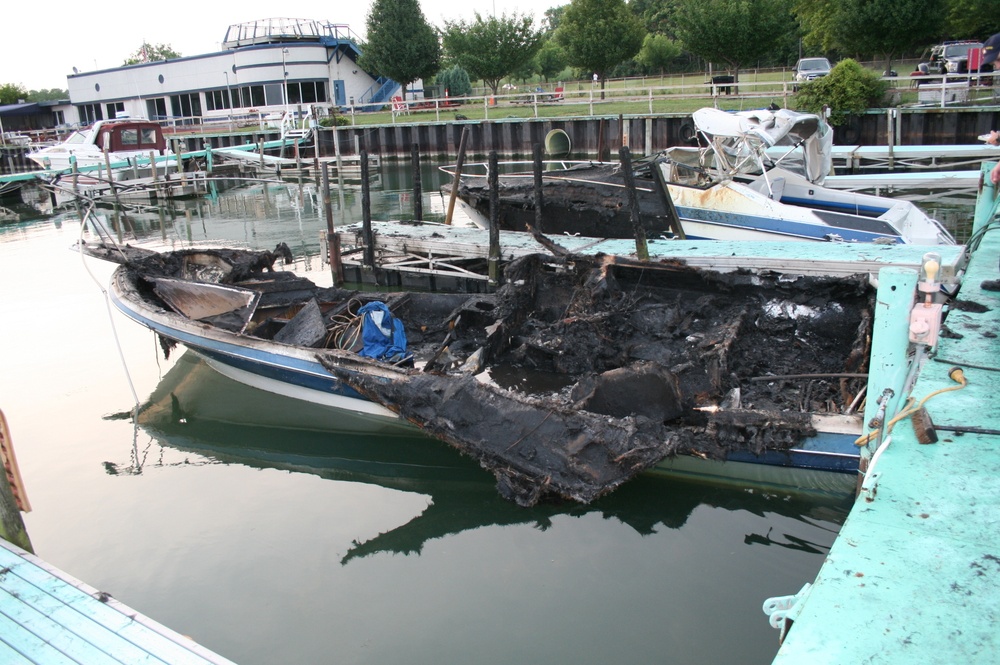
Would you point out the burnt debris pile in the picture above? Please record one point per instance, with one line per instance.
(589, 370)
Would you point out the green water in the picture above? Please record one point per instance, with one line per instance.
(250, 524)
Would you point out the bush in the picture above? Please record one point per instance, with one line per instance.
(455, 81)
(848, 89)
(334, 120)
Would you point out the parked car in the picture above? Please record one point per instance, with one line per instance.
(952, 57)
(810, 69)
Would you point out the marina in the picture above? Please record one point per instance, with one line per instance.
(253, 448)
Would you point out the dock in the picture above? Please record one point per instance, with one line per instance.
(914, 575)
(47, 618)
(407, 253)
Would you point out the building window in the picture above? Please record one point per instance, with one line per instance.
(90, 113)
(248, 96)
(216, 100)
(272, 94)
(156, 109)
(307, 92)
(187, 108)
(114, 109)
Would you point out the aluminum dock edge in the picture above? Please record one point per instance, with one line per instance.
(49, 618)
(914, 575)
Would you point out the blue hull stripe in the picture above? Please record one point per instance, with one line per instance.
(779, 227)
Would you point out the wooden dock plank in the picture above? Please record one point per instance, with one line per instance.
(23, 646)
(41, 601)
(73, 634)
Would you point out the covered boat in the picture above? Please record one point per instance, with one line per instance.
(757, 176)
(124, 139)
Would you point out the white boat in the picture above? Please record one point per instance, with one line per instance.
(727, 189)
(124, 139)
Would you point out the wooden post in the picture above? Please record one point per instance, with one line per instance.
(208, 157)
(641, 250)
(260, 148)
(536, 153)
(493, 259)
(332, 239)
(366, 213)
(418, 202)
(458, 174)
(673, 219)
(75, 168)
(180, 163)
(152, 165)
(13, 500)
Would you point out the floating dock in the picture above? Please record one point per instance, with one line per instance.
(49, 618)
(914, 576)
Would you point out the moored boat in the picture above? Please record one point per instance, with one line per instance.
(124, 139)
(728, 189)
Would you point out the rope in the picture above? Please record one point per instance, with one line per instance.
(111, 318)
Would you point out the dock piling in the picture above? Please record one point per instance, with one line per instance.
(493, 258)
(458, 174)
(332, 239)
(366, 213)
(641, 248)
(418, 203)
(536, 155)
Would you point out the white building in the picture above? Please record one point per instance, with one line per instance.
(267, 66)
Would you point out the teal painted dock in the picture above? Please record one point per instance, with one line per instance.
(914, 576)
(50, 618)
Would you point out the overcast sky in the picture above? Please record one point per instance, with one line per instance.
(44, 42)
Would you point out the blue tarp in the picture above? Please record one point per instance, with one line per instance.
(382, 333)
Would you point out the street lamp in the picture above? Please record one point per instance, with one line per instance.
(229, 94)
(284, 71)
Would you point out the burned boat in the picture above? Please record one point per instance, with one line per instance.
(582, 372)
(578, 374)
(732, 187)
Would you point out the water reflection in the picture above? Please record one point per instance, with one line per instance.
(209, 418)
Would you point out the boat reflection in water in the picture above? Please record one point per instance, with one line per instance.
(196, 410)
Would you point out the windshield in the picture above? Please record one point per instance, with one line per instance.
(813, 64)
(953, 50)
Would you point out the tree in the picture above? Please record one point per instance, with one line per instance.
(11, 93)
(886, 27)
(552, 17)
(657, 52)
(657, 15)
(816, 18)
(972, 19)
(49, 95)
(455, 81)
(401, 43)
(734, 32)
(550, 59)
(151, 53)
(493, 48)
(599, 34)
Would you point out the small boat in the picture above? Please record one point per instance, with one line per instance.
(124, 139)
(728, 189)
(576, 375)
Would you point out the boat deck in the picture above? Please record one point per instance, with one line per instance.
(914, 576)
(49, 618)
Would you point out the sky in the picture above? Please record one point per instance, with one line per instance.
(46, 50)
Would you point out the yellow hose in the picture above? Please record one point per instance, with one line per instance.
(955, 374)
